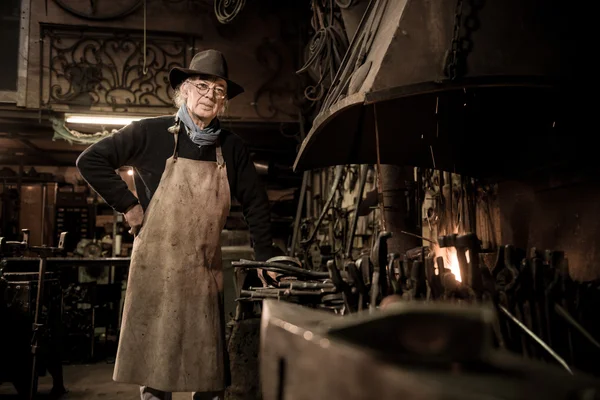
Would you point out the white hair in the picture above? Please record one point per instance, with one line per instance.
(180, 98)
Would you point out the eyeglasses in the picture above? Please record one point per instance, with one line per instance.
(203, 89)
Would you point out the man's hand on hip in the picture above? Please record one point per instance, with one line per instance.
(134, 217)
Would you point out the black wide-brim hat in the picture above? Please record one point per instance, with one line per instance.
(207, 62)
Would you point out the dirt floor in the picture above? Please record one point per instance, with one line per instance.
(94, 381)
(87, 382)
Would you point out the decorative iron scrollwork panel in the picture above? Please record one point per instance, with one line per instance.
(88, 67)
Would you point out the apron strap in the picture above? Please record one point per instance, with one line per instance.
(176, 150)
(174, 130)
(219, 153)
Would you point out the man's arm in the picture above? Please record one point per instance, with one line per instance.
(255, 204)
(97, 165)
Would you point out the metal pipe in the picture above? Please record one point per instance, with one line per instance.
(68, 261)
(394, 182)
(316, 193)
(310, 194)
(364, 170)
(53, 213)
(44, 204)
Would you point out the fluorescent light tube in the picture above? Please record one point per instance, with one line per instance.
(100, 119)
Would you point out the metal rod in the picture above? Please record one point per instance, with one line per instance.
(53, 213)
(306, 285)
(418, 236)
(374, 292)
(70, 261)
(36, 326)
(41, 80)
(305, 178)
(310, 193)
(44, 205)
(114, 233)
(279, 267)
(364, 170)
(20, 181)
(536, 338)
(379, 181)
(338, 176)
(565, 314)
(349, 57)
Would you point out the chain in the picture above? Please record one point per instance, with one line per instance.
(145, 50)
(452, 58)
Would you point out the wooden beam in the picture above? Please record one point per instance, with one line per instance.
(39, 152)
(29, 157)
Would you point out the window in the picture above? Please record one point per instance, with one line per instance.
(10, 11)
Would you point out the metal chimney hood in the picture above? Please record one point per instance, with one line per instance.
(470, 86)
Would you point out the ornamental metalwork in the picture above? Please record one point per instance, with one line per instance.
(227, 10)
(346, 3)
(92, 67)
(324, 53)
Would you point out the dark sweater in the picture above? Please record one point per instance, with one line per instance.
(146, 145)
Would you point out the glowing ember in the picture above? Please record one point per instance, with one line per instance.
(451, 261)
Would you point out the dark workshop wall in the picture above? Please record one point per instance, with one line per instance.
(256, 45)
(559, 211)
(9, 32)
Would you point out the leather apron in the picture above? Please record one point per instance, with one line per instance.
(173, 331)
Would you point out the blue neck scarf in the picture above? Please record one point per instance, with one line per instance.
(202, 137)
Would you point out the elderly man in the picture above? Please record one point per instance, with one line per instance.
(186, 168)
